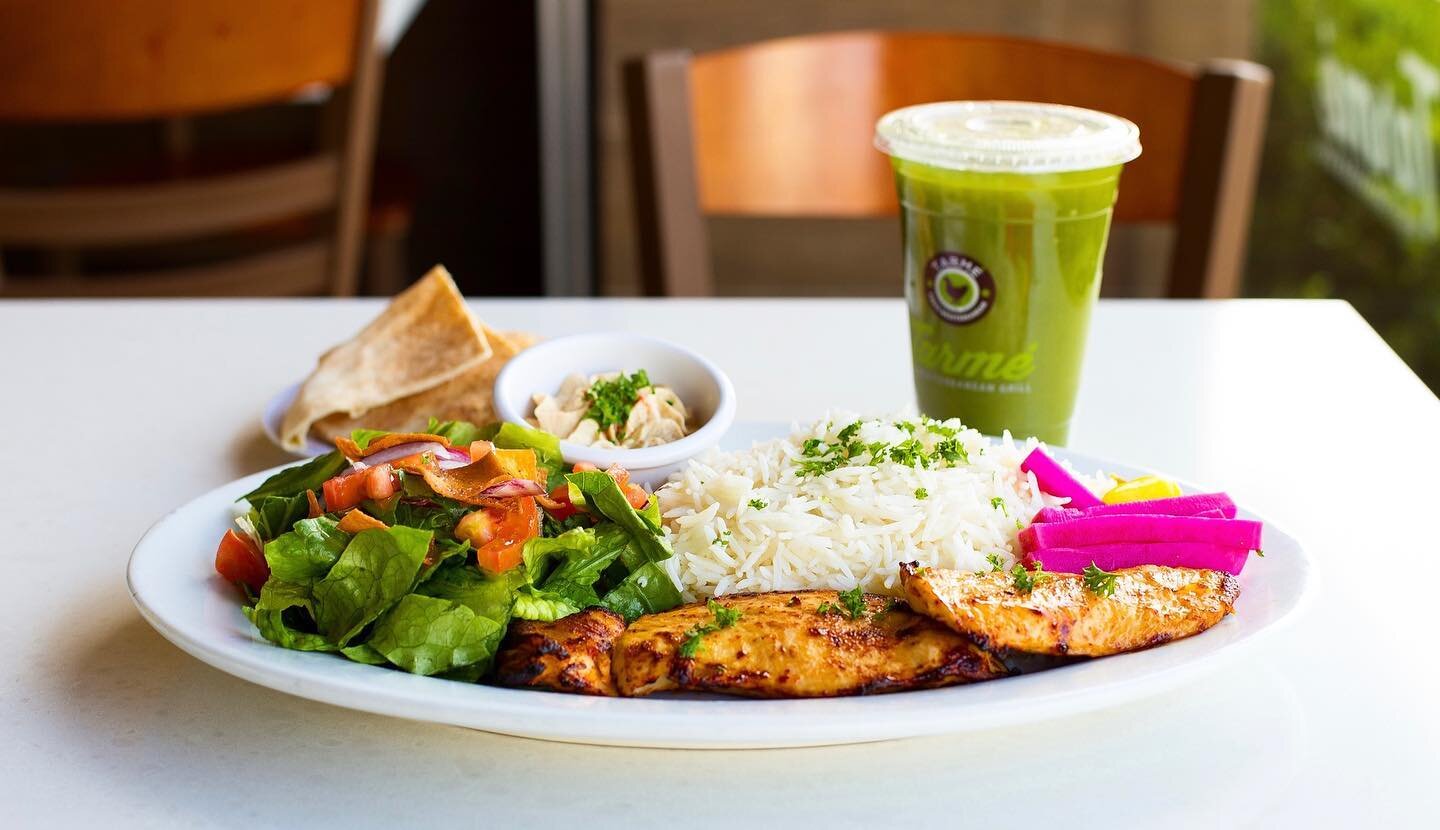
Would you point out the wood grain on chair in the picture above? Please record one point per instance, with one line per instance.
(784, 128)
(163, 60)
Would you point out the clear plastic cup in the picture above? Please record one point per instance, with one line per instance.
(1005, 211)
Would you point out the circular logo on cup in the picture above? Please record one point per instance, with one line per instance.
(960, 290)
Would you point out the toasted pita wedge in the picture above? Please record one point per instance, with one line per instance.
(425, 337)
(465, 397)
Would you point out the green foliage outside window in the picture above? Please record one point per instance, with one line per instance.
(1346, 204)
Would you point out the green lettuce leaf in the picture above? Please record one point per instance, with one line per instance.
(308, 552)
(376, 569)
(562, 572)
(278, 600)
(443, 551)
(487, 596)
(651, 514)
(604, 495)
(273, 627)
(458, 433)
(363, 653)
(467, 674)
(363, 437)
(536, 604)
(294, 481)
(541, 555)
(576, 577)
(440, 518)
(279, 594)
(428, 635)
(647, 590)
(272, 516)
(612, 537)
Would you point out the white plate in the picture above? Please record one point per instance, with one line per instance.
(172, 582)
(275, 413)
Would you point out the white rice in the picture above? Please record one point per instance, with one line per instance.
(853, 525)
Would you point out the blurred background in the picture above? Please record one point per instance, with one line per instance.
(494, 137)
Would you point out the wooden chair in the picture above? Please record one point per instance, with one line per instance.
(167, 60)
(783, 128)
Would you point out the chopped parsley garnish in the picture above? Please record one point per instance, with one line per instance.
(922, 493)
(951, 451)
(854, 600)
(852, 605)
(724, 618)
(721, 540)
(1098, 581)
(996, 562)
(999, 504)
(612, 400)
(910, 453)
(929, 444)
(1026, 580)
(757, 504)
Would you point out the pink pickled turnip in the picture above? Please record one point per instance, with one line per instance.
(1057, 481)
(1117, 556)
(1140, 528)
(1192, 505)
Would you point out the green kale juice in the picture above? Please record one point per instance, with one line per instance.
(1003, 255)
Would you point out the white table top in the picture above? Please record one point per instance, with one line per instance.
(116, 412)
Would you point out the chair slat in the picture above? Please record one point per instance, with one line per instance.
(297, 270)
(162, 212)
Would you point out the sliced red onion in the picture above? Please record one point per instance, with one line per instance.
(513, 487)
(443, 454)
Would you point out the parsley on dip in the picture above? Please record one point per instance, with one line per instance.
(612, 411)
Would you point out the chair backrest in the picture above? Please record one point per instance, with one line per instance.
(784, 128)
(89, 61)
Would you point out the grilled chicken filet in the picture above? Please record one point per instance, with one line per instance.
(782, 646)
(1151, 605)
(571, 654)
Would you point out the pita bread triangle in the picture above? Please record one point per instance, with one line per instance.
(425, 337)
(465, 397)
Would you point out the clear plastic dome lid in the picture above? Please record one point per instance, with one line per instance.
(1007, 136)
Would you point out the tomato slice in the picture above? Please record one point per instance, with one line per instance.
(564, 509)
(380, 483)
(345, 491)
(499, 532)
(238, 561)
(636, 495)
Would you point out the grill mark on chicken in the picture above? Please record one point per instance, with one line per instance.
(572, 654)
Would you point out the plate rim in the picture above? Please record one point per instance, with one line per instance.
(673, 723)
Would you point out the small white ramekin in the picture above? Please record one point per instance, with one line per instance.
(705, 390)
